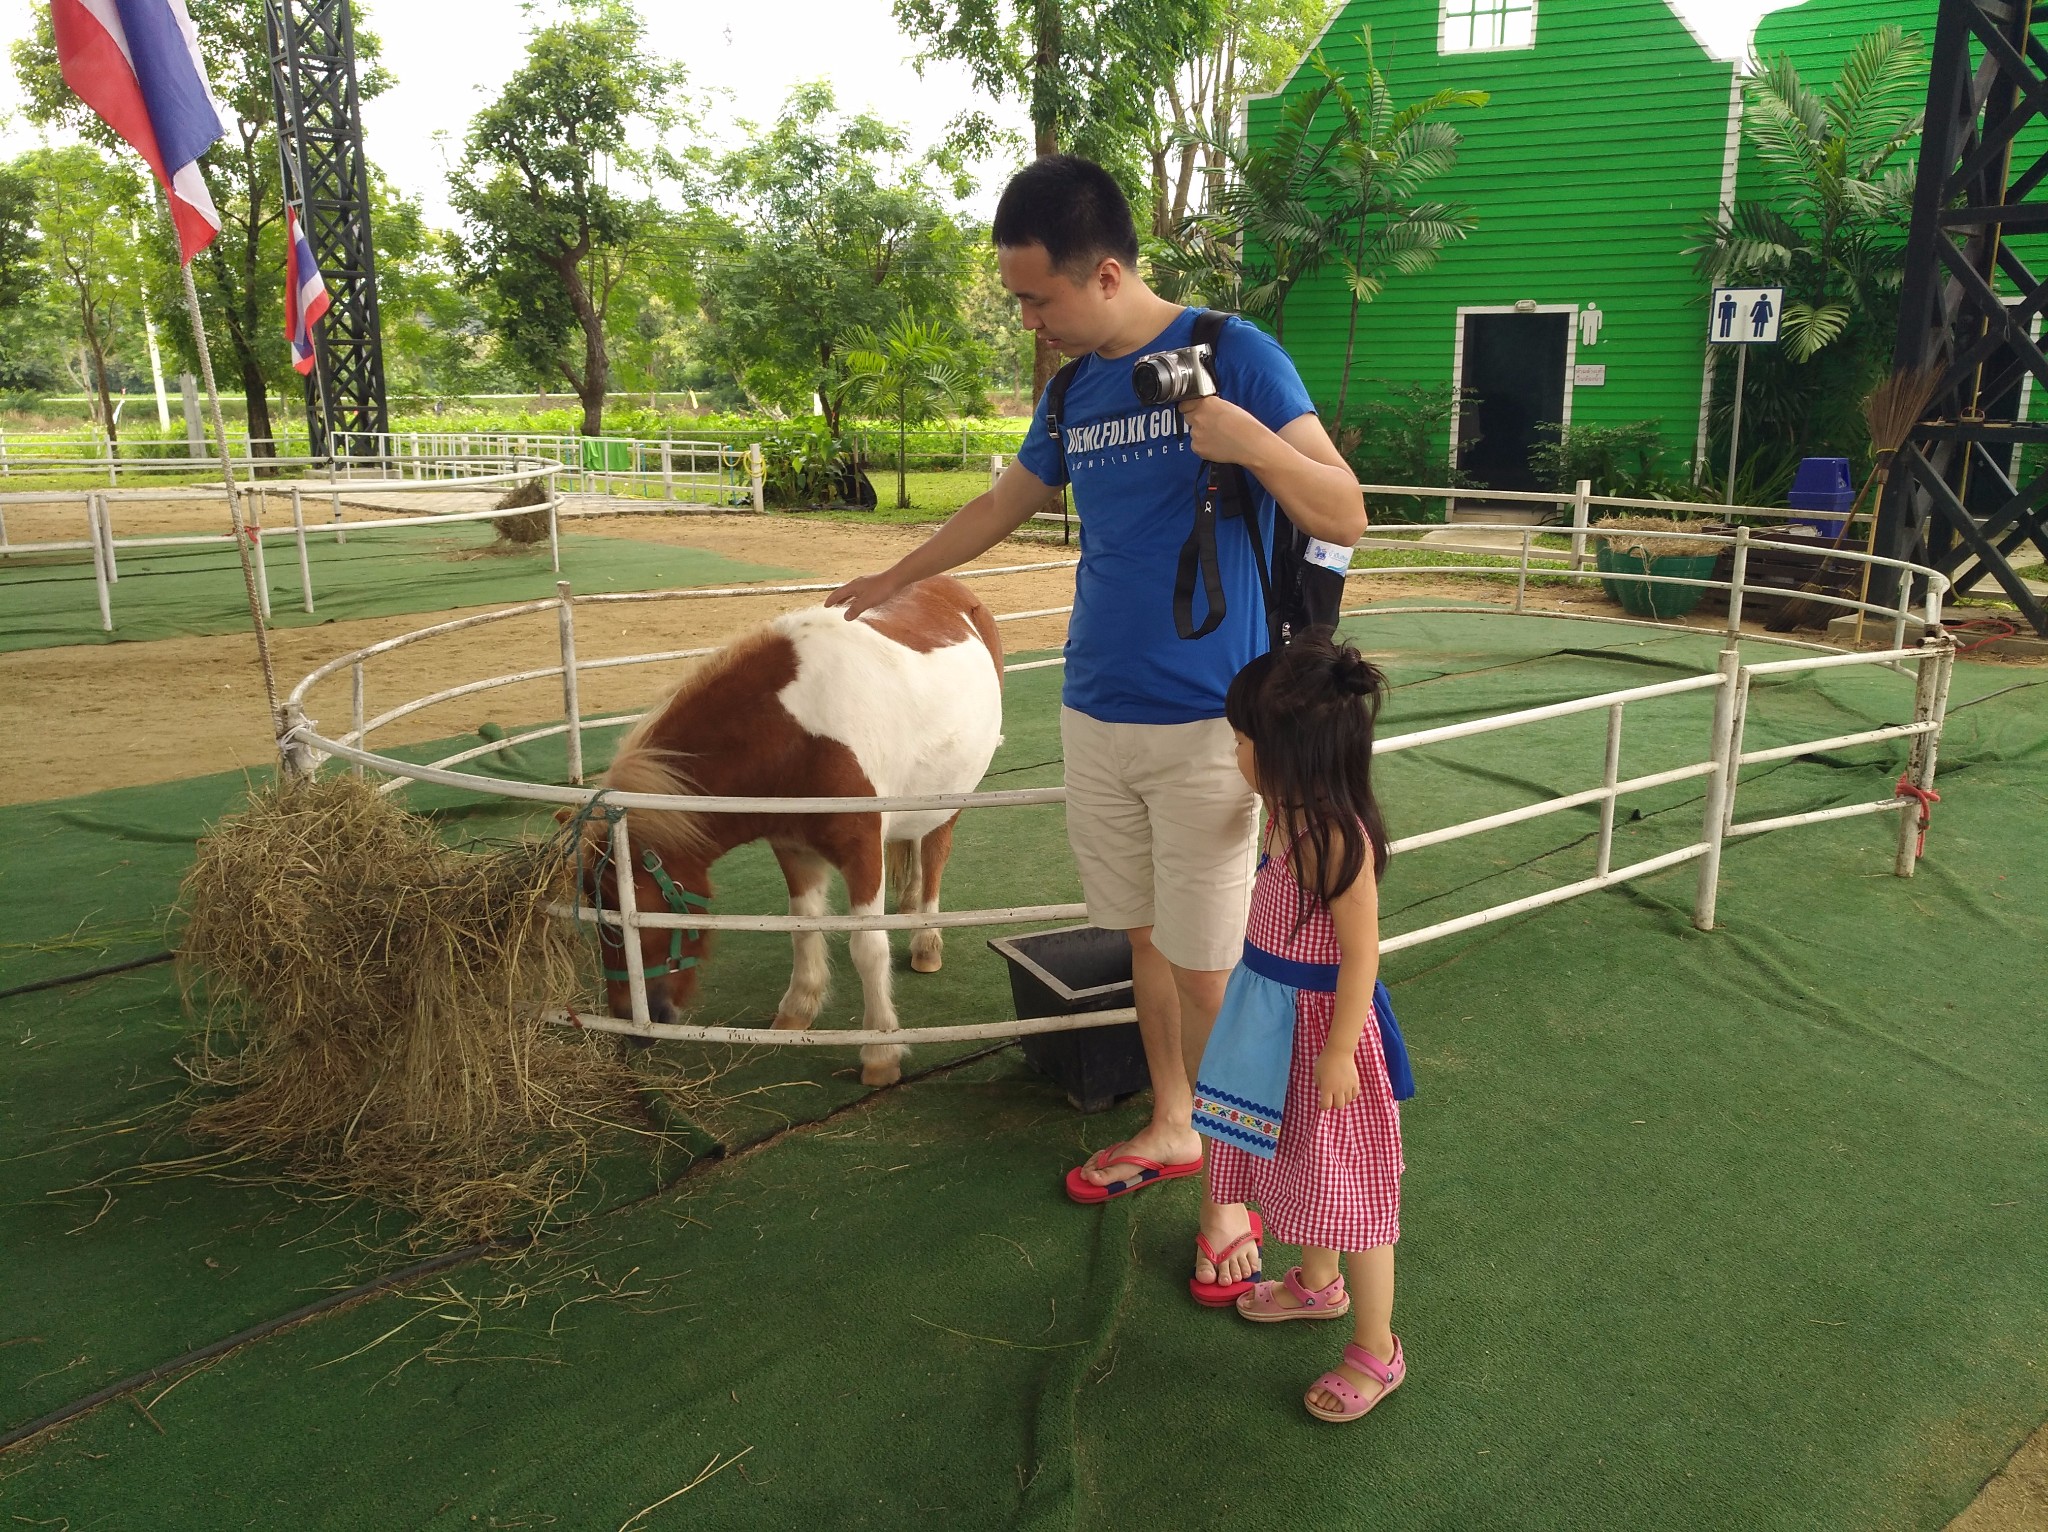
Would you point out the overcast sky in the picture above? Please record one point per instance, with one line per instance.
(448, 55)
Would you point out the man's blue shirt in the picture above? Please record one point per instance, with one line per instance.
(1135, 481)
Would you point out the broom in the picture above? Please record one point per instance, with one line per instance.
(1892, 410)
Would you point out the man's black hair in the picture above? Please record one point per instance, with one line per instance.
(1071, 206)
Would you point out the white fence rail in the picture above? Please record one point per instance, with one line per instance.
(99, 508)
(1717, 763)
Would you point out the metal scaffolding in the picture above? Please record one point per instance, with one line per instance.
(327, 178)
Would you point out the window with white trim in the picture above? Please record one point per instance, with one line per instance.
(1477, 26)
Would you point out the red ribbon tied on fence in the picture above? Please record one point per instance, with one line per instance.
(1927, 797)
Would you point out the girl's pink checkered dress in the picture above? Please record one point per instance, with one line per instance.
(1336, 1180)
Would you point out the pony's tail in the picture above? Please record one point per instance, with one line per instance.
(906, 872)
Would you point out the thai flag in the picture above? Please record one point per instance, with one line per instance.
(137, 64)
(305, 293)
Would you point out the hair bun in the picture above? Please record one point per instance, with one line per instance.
(1353, 672)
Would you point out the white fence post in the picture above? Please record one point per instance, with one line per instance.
(1608, 778)
(1738, 579)
(757, 475)
(668, 482)
(1713, 820)
(1930, 702)
(255, 531)
(356, 714)
(565, 615)
(995, 468)
(305, 563)
(1581, 512)
(99, 563)
(554, 521)
(629, 915)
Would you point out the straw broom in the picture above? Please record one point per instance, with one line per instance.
(1892, 410)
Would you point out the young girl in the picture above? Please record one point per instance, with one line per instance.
(1300, 1077)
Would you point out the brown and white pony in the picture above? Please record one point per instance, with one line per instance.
(905, 701)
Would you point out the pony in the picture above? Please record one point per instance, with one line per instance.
(905, 700)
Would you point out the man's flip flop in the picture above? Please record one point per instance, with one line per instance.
(1085, 1191)
(1223, 1295)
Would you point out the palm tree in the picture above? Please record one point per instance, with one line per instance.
(1385, 156)
(1834, 232)
(1271, 219)
(912, 372)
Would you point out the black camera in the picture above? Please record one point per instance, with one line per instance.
(1167, 377)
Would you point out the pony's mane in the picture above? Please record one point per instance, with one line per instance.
(642, 766)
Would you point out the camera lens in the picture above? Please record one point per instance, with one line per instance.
(1152, 378)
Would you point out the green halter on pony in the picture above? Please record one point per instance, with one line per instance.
(678, 899)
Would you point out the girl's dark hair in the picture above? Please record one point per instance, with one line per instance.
(1071, 206)
(1309, 711)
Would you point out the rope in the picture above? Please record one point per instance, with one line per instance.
(1927, 797)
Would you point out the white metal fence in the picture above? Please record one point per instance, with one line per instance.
(1717, 763)
(99, 508)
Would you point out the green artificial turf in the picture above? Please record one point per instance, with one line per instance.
(1736, 1229)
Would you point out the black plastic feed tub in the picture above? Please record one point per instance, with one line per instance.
(1065, 973)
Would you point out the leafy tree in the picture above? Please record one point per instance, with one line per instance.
(238, 275)
(84, 204)
(1832, 232)
(1089, 69)
(436, 342)
(1273, 217)
(22, 279)
(912, 372)
(1251, 47)
(1383, 157)
(552, 238)
(830, 229)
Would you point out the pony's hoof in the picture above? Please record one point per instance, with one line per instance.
(784, 1022)
(926, 962)
(881, 1074)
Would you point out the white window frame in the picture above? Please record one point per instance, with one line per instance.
(1469, 21)
(1571, 357)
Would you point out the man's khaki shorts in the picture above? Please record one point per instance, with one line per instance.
(1165, 831)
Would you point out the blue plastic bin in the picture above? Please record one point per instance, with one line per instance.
(1822, 484)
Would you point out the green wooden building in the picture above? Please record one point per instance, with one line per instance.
(1613, 132)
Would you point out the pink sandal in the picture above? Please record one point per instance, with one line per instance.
(1263, 1304)
(1355, 1404)
(1221, 1295)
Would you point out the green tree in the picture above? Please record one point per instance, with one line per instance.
(84, 204)
(1384, 155)
(22, 280)
(238, 275)
(830, 229)
(1090, 71)
(552, 237)
(1251, 47)
(1831, 232)
(912, 372)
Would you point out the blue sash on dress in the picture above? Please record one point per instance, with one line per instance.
(1241, 1087)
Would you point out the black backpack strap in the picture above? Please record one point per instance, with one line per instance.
(1055, 406)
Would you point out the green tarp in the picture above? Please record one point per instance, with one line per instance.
(1739, 1229)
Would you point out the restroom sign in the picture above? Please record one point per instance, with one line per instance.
(1745, 316)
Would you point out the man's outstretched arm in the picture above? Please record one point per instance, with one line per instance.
(970, 532)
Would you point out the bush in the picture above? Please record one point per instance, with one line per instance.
(1404, 442)
(1627, 461)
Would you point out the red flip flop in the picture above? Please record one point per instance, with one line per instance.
(1223, 1295)
(1087, 1192)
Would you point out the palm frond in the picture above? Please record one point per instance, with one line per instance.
(1805, 329)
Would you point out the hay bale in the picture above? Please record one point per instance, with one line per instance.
(372, 1000)
(523, 530)
(1613, 532)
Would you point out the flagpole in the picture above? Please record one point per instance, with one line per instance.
(227, 468)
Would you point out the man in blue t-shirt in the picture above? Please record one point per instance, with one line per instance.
(1160, 819)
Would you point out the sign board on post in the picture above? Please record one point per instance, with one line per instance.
(1745, 316)
(1742, 316)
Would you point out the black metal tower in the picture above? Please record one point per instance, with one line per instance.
(1969, 306)
(320, 138)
